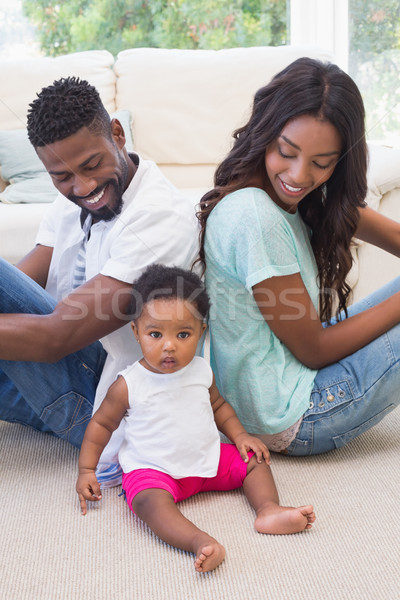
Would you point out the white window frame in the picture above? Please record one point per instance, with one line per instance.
(322, 23)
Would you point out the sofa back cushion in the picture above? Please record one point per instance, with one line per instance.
(21, 79)
(186, 104)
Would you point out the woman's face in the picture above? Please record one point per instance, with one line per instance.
(302, 158)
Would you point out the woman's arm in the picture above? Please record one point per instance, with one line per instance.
(287, 308)
(97, 435)
(375, 228)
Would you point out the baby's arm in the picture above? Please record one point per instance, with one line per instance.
(101, 426)
(228, 423)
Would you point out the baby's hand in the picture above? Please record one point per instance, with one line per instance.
(245, 442)
(87, 488)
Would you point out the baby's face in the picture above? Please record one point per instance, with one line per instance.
(168, 331)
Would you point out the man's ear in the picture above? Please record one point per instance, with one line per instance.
(203, 328)
(118, 133)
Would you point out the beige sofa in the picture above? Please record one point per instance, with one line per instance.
(183, 106)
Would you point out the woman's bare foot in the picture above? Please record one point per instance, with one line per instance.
(280, 520)
(209, 556)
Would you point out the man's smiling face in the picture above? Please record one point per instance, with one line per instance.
(91, 170)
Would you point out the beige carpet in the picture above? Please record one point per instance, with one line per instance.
(49, 551)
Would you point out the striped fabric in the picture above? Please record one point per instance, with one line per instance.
(110, 475)
(80, 265)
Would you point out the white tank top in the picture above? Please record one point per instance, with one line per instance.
(170, 424)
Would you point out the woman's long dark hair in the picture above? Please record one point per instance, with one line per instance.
(323, 90)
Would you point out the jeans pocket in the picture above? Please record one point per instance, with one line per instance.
(345, 438)
(298, 447)
(68, 416)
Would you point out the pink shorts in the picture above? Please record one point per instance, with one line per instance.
(230, 475)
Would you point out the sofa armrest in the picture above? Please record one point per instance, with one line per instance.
(19, 224)
(383, 172)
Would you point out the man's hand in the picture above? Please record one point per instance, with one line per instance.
(87, 488)
(246, 442)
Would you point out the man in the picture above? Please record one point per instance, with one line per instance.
(114, 215)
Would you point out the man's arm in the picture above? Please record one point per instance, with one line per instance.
(90, 312)
(36, 264)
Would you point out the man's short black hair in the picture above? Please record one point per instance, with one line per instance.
(159, 281)
(64, 107)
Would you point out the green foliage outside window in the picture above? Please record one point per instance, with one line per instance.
(65, 26)
(74, 25)
(374, 62)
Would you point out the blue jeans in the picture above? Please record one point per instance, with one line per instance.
(351, 396)
(52, 397)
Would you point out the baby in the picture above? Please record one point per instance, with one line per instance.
(173, 412)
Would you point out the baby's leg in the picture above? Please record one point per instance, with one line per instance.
(157, 508)
(259, 487)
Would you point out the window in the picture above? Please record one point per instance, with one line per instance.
(17, 35)
(75, 25)
(364, 38)
(374, 63)
(362, 35)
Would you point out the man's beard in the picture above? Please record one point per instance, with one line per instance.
(107, 213)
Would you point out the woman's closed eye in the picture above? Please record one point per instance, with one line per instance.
(283, 154)
(317, 164)
(323, 166)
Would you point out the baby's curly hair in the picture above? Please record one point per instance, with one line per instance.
(64, 107)
(159, 281)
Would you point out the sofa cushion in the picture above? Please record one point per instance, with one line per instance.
(23, 78)
(21, 167)
(18, 158)
(186, 103)
(33, 190)
(383, 172)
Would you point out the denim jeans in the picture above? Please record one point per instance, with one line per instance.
(52, 397)
(352, 395)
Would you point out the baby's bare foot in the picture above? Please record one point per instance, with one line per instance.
(209, 556)
(284, 519)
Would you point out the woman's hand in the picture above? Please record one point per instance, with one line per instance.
(246, 442)
(88, 488)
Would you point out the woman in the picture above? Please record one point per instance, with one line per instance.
(276, 241)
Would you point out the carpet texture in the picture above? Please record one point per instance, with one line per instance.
(49, 551)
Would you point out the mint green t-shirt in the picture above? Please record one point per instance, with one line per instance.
(248, 239)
